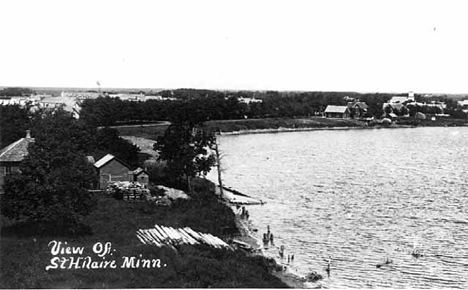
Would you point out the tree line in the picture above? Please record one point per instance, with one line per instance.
(217, 105)
(14, 92)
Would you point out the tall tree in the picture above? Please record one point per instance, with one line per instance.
(14, 121)
(109, 141)
(186, 144)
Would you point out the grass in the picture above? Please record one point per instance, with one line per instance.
(148, 131)
(24, 257)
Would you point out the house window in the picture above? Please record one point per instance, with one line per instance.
(7, 170)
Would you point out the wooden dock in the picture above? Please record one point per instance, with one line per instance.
(235, 197)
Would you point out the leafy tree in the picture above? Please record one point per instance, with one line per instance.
(103, 111)
(14, 121)
(185, 144)
(404, 111)
(51, 191)
(109, 141)
(459, 114)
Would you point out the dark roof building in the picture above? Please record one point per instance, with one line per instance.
(337, 111)
(16, 151)
(12, 155)
(357, 109)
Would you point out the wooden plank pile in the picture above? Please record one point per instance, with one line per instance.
(168, 236)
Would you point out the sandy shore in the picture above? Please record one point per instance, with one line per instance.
(306, 129)
(247, 236)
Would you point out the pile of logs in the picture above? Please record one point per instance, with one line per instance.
(167, 236)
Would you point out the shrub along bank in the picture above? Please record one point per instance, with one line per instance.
(25, 255)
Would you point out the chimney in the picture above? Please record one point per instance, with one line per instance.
(28, 133)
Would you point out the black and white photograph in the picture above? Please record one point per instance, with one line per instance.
(233, 144)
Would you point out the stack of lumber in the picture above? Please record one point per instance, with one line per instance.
(167, 236)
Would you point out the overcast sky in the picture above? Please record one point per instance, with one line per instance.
(385, 46)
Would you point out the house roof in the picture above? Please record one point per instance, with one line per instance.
(398, 99)
(16, 151)
(394, 106)
(106, 159)
(336, 109)
(68, 103)
(90, 159)
(361, 105)
(101, 162)
(463, 103)
(138, 171)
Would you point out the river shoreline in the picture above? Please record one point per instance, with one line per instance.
(279, 125)
(284, 130)
(247, 236)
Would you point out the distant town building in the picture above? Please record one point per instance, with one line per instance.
(463, 105)
(249, 100)
(80, 95)
(67, 103)
(337, 112)
(394, 106)
(129, 97)
(402, 99)
(12, 155)
(158, 98)
(358, 109)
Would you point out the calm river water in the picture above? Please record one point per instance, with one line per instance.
(358, 197)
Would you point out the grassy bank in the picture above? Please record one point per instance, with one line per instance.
(24, 256)
(153, 131)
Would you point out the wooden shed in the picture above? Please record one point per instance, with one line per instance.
(337, 112)
(139, 175)
(110, 169)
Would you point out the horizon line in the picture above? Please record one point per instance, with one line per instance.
(226, 89)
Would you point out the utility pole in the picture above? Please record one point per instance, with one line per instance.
(218, 164)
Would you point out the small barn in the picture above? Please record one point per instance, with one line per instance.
(139, 175)
(337, 111)
(111, 169)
